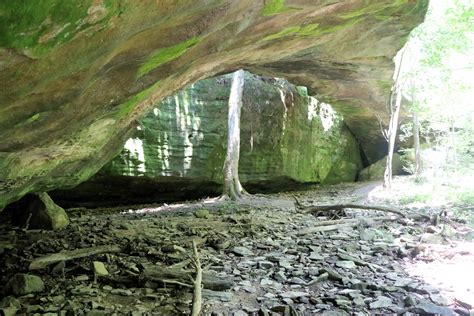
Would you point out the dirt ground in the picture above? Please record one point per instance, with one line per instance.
(262, 256)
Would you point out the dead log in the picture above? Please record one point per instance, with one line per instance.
(336, 207)
(45, 261)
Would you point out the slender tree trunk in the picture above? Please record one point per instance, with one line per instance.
(393, 127)
(416, 144)
(232, 187)
(453, 145)
(392, 134)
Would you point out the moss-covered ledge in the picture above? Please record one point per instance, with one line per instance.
(77, 76)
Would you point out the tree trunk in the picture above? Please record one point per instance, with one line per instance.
(232, 187)
(393, 127)
(416, 144)
(392, 134)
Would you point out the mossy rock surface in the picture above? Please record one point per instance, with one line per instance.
(77, 76)
(287, 139)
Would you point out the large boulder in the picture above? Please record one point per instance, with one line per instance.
(76, 75)
(287, 138)
(376, 170)
(38, 211)
(22, 284)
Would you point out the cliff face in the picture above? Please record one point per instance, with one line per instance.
(77, 76)
(287, 138)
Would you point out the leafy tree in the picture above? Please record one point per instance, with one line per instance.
(437, 78)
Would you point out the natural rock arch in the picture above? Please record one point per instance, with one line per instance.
(71, 97)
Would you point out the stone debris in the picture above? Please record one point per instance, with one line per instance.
(265, 267)
(99, 268)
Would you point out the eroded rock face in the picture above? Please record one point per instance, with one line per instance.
(287, 138)
(76, 76)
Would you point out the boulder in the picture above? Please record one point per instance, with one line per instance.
(9, 306)
(22, 284)
(38, 211)
(376, 170)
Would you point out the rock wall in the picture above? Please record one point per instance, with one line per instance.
(77, 75)
(287, 138)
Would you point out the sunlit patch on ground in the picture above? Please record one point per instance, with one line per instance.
(449, 268)
(445, 260)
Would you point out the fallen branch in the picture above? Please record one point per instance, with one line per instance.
(43, 262)
(298, 204)
(337, 207)
(326, 226)
(197, 296)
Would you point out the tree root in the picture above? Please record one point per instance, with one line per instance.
(338, 207)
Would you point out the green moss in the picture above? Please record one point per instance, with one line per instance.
(167, 54)
(127, 107)
(384, 85)
(287, 31)
(33, 118)
(382, 11)
(313, 29)
(273, 7)
(24, 22)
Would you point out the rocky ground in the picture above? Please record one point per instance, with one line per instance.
(264, 256)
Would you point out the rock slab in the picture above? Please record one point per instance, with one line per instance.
(22, 284)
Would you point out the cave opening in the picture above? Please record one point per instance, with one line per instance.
(289, 140)
(114, 124)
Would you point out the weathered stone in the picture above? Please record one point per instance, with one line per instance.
(99, 268)
(22, 284)
(72, 95)
(432, 239)
(242, 251)
(439, 299)
(265, 264)
(296, 280)
(9, 306)
(217, 295)
(39, 211)
(381, 302)
(376, 170)
(280, 276)
(346, 264)
(358, 301)
(427, 308)
(179, 145)
(409, 300)
(293, 294)
(202, 213)
(122, 292)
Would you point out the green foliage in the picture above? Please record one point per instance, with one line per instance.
(416, 198)
(448, 35)
(437, 81)
(167, 54)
